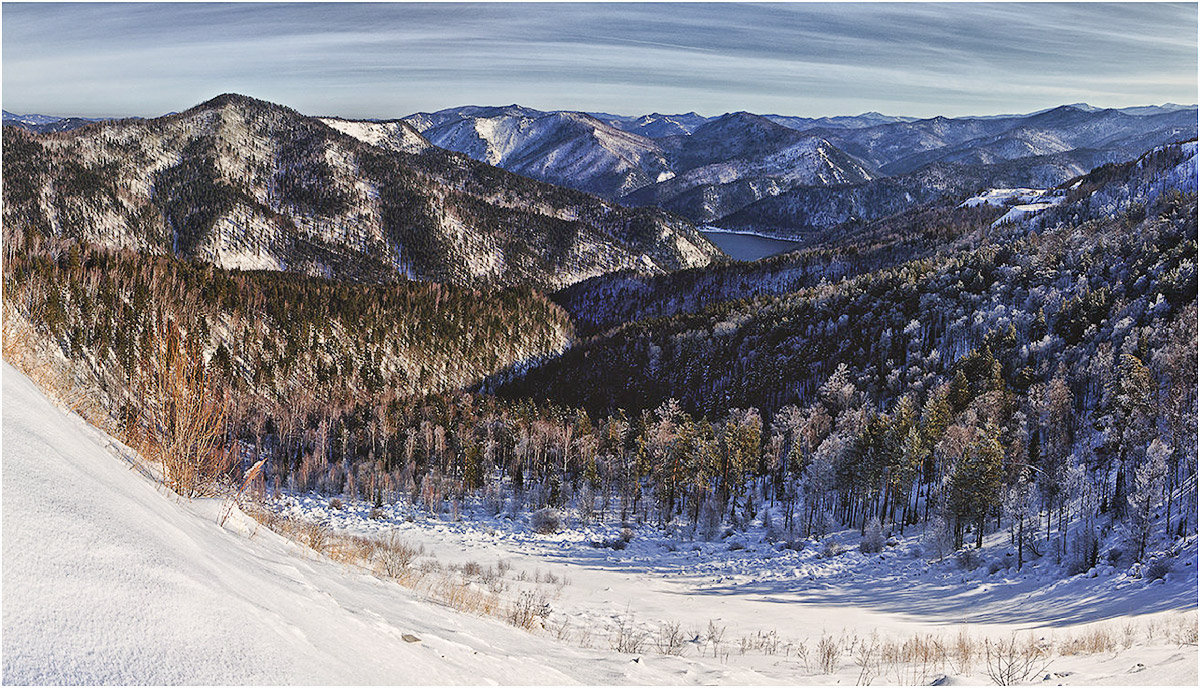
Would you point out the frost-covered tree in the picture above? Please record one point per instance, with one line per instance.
(1148, 481)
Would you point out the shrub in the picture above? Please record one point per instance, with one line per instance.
(545, 521)
(872, 542)
(832, 548)
(315, 535)
(1156, 568)
(529, 611)
(629, 638)
(968, 559)
(1084, 552)
(670, 640)
(394, 556)
(184, 417)
(937, 542)
(710, 519)
(828, 652)
(1014, 661)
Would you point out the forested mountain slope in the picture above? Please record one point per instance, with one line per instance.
(270, 342)
(243, 183)
(773, 348)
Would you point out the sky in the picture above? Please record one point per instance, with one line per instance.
(385, 60)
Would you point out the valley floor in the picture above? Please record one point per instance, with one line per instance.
(108, 578)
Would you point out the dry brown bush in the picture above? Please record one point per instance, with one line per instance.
(394, 557)
(528, 611)
(963, 652)
(1094, 640)
(183, 416)
(670, 640)
(58, 378)
(1013, 660)
(829, 651)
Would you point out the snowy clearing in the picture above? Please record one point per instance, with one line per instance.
(108, 578)
(1022, 203)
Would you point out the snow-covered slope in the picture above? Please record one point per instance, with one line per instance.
(30, 119)
(109, 579)
(568, 148)
(657, 126)
(395, 135)
(866, 119)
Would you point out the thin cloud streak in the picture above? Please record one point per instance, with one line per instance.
(387, 60)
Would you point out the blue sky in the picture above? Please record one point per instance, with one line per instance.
(389, 60)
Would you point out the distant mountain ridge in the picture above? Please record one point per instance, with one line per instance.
(774, 174)
(717, 170)
(41, 124)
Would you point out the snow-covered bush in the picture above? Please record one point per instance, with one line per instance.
(937, 542)
(493, 501)
(1084, 552)
(545, 521)
(586, 504)
(968, 559)
(710, 519)
(772, 533)
(1156, 568)
(832, 548)
(872, 542)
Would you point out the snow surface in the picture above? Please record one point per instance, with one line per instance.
(394, 135)
(1021, 203)
(1003, 197)
(108, 578)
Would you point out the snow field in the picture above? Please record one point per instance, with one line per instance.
(745, 599)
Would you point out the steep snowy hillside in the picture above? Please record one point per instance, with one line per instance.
(657, 126)
(717, 189)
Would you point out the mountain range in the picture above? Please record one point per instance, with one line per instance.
(247, 184)
(790, 176)
(475, 195)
